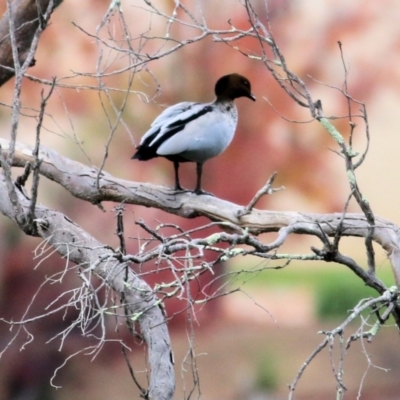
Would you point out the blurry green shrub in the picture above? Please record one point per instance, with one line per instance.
(267, 376)
(337, 290)
(337, 296)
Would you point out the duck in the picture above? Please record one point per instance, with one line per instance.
(196, 132)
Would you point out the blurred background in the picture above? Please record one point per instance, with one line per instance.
(251, 343)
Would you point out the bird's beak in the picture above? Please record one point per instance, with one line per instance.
(251, 96)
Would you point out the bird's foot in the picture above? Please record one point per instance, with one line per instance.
(180, 189)
(201, 191)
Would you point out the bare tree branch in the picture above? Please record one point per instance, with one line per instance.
(80, 181)
(73, 243)
(27, 17)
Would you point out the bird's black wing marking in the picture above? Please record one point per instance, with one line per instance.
(148, 150)
(145, 151)
(176, 126)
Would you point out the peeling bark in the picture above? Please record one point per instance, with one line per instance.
(27, 19)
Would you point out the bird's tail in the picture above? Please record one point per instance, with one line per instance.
(144, 153)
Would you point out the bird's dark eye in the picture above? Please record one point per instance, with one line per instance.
(245, 83)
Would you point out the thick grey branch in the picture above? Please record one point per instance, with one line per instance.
(79, 247)
(80, 180)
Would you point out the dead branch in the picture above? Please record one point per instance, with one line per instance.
(388, 298)
(80, 181)
(79, 247)
(26, 18)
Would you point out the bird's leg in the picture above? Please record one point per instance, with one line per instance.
(177, 184)
(199, 190)
(199, 170)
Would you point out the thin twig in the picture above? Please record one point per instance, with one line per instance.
(266, 189)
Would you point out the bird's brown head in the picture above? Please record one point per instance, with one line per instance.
(232, 86)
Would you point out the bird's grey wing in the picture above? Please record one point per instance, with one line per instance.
(171, 112)
(161, 133)
(147, 140)
(168, 115)
(201, 139)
